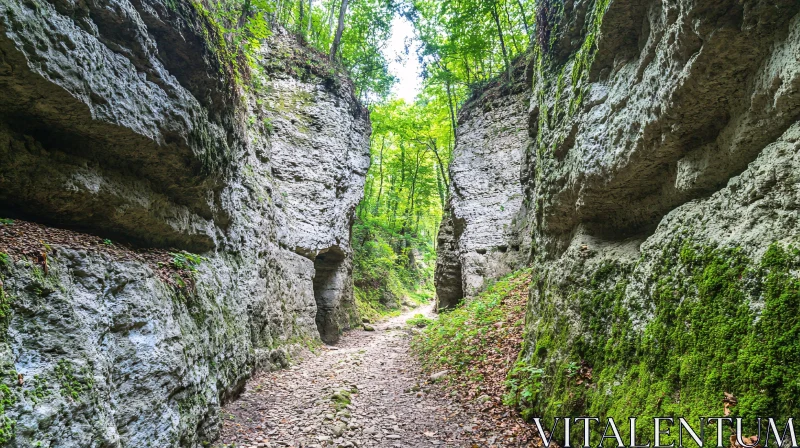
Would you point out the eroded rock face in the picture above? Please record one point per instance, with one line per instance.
(447, 277)
(663, 194)
(319, 163)
(482, 238)
(672, 106)
(122, 120)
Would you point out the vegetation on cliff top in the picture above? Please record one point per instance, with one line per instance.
(353, 42)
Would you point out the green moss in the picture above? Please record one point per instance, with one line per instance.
(186, 261)
(558, 102)
(7, 425)
(74, 384)
(712, 321)
(8, 399)
(342, 397)
(585, 55)
(36, 389)
(419, 321)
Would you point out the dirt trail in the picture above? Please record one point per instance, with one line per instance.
(390, 405)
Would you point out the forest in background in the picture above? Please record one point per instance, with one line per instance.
(461, 45)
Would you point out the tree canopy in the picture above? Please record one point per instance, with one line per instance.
(462, 45)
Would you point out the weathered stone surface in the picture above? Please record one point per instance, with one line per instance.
(118, 118)
(87, 86)
(669, 120)
(447, 277)
(482, 238)
(675, 134)
(319, 162)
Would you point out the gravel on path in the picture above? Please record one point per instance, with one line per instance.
(366, 392)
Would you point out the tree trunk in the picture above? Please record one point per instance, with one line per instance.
(452, 109)
(380, 183)
(330, 18)
(500, 35)
(440, 188)
(524, 19)
(310, 19)
(338, 38)
(301, 20)
(511, 26)
(467, 70)
(432, 145)
(410, 207)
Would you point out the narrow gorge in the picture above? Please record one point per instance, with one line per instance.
(222, 224)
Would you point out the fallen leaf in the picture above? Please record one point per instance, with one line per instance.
(728, 402)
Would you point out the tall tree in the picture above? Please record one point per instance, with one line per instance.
(339, 29)
(310, 17)
(502, 40)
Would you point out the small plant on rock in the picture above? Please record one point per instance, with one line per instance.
(186, 261)
(419, 321)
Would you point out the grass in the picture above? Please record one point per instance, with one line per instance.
(478, 341)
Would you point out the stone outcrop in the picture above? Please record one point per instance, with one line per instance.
(662, 190)
(127, 121)
(484, 234)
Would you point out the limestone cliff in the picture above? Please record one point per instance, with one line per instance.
(234, 187)
(483, 235)
(662, 183)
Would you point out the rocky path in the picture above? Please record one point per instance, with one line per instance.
(390, 403)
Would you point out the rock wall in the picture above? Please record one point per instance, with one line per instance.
(663, 195)
(209, 223)
(483, 236)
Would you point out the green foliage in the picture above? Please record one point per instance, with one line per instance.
(368, 28)
(524, 382)
(462, 44)
(242, 26)
(454, 341)
(394, 235)
(107, 242)
(714, 321)
(6, 221)
(383, 278)
(5, 260)
(186, 261)
(245, 24)
(269, 128)
(419, 321)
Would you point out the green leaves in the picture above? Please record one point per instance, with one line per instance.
(186, 261)
(463, 39)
